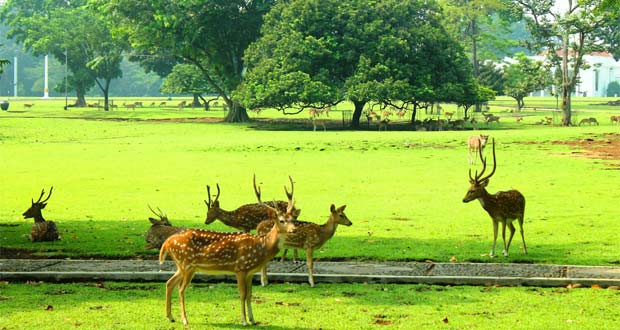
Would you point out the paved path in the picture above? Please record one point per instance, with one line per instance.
(332, 272)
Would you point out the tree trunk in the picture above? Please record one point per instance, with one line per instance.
(80, 95)
(414, 112)
(236, 113)
(196, 101)
(357, 113)
(566, 108)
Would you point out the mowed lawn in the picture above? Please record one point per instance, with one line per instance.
(403, 189)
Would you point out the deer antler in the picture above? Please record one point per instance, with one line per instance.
(209, 203)
(161, 214)
(41, 196)
(289, 208)
(480, 178)
(256, 190)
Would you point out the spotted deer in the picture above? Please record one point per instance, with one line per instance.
(242, 254)
(160, 230)
(315, 117)
(248, 216)
(476, 143)
(308, 236)
(503, 206)
(42, 230)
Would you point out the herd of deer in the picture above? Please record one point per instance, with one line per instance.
(276, 224)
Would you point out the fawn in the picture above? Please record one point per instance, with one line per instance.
(160, 230)
(41, 231)
(503, 206)
(308, 236)
(242, 254)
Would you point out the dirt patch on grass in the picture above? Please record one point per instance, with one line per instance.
(186, 120)
(596, 146)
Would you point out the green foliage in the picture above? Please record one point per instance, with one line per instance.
(524, 77)
(185, 79)
(613, 89)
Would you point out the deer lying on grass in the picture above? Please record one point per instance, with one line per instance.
(28, 105)
(160, 230)
(248, 216)
(503, 206)
(242, 254)
(308, 236)
(475, 143)
(41, 231)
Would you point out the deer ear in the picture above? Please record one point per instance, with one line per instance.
(153, 221)
(484, 183)
(271, 213)
(296, 213)
(332, 208)
(341, 209)
(43, 205)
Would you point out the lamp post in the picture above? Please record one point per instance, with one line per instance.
(66, 94)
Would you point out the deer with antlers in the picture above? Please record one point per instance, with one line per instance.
(42, 230)
(503, 207)
(242, 254)
(248, 216)
(160, 230)
(308, 236)
(475, 143)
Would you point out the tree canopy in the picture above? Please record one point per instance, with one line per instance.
(316, 53)
(523, 77)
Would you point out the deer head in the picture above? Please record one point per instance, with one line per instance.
(480, 181)
(35, 209)
(212, 206)
(292, 213)
(163, 218)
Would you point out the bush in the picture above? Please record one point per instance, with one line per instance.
(613, 89)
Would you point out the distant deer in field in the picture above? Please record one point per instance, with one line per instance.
(588, 121)
(383, 124)
(503, 206)
(242, 254)
(615, 119)
(474, 144)
(492, 118)
(401, 113)
(41, 231)
(308, 236)
(131, 106)
(248, 216)
(315, 117)
(28, 105)
(160, 230)
(162, 104)
(182, 105)
(449, 115)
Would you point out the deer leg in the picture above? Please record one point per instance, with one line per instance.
(283, 255)
(243, 292)
(184, 283)
(505, 252)
(309, 262)
(263, 276)
(248, 297)
(521, 230)
(512, 233)
(295, 256)
(492, 253)
(171, 284)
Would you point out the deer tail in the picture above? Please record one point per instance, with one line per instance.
(163, 252)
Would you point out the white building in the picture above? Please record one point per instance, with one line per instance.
(594, 80)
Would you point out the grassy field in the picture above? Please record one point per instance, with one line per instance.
(403, 192)
(403, 189)
(286, 306)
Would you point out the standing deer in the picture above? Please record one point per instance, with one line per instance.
(308, 236)
(242, 254)
(248, 216)
(503, 206)
(41, 231)
(315, 115)
(475, 143)
(160, 230)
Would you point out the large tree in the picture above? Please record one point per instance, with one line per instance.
(316, 53)
(524, 77)
(210, 34)
(566, 34)
(186, 79)
(71, 31)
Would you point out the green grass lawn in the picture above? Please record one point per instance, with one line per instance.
(403, 189)
(113, 305)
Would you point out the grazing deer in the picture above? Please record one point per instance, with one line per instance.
(588, 121)
(475, 143)
(518, 119)
(503, 206)
(248, 216)
(162, 104)
(615, 119)
(139, 104)
(28, 105)
(41, 231)
(308, 236)
(182, 105)
(491, 119)
(242, 254)
(160, 230)
(131, 106)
